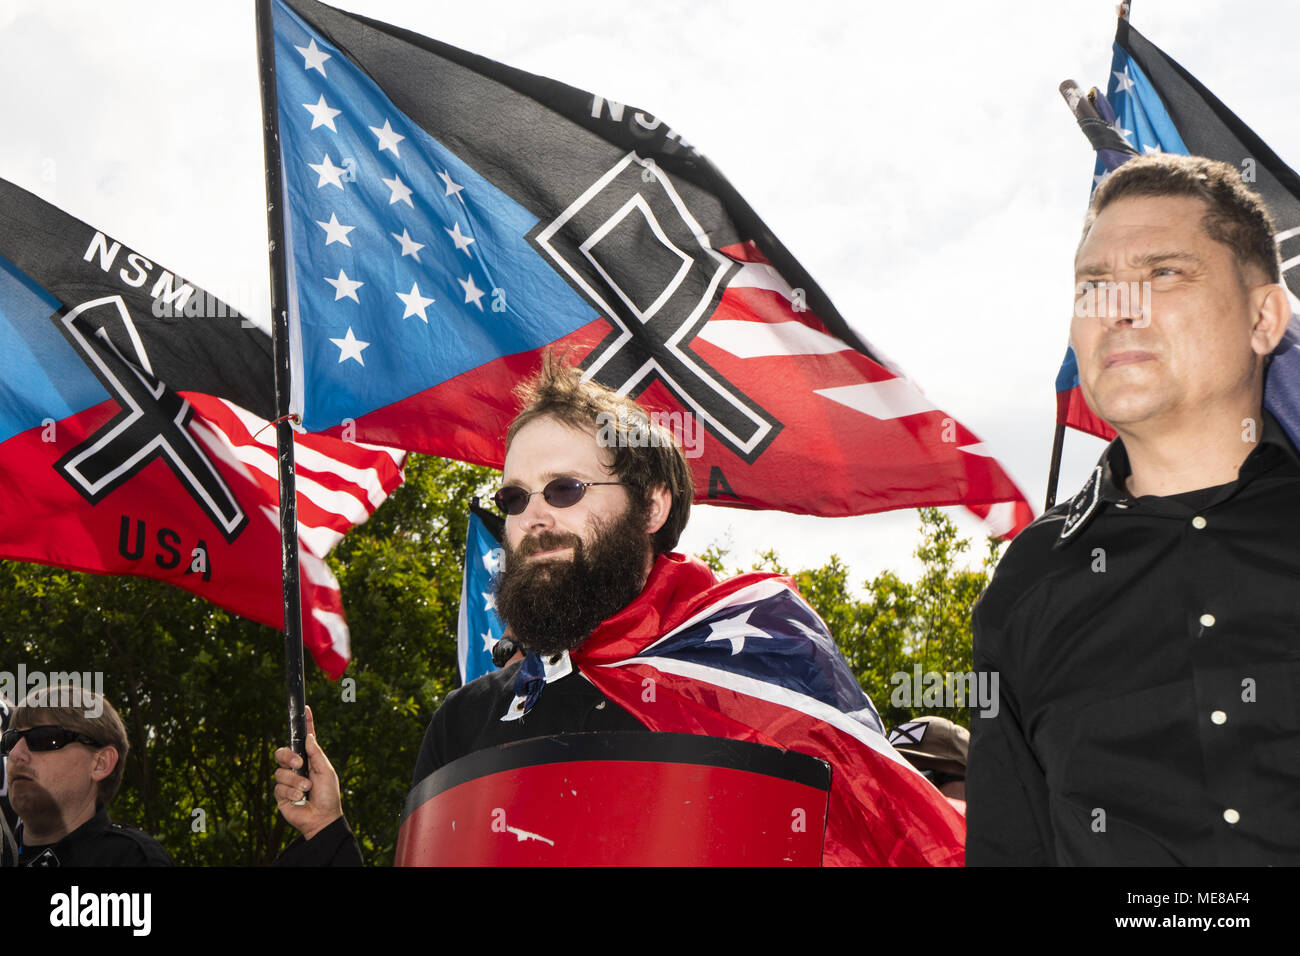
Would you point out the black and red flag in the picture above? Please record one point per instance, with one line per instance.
(132, 441)
(448, 218)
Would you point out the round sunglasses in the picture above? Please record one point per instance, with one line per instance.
(559, 493)
(44, 739)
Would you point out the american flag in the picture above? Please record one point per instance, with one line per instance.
(339, 485)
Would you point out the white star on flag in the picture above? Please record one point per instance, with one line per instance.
(401, 191)
(350, 347)
(735, 629)
(388, 139)
(313, 58)
(1150, 149)
(1123, 82)
(493, 559)
(489, 601)
(345, 287)
(452, 188)
(409, 246)
(472, 292)
(335, 231)
(489, 641)
(415, 303)
(328, 172)
(1124, 133)
(321, 114)
(462, 241)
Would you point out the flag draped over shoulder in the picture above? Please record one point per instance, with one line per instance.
(1158, 106)
(749, 659)
(448, 218)
(478, 626)
(131, 431)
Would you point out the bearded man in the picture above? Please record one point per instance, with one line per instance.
(596, 496)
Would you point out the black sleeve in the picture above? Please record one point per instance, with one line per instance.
(333, 846)
(1007, 816)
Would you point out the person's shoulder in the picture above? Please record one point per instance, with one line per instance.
(1031, 559)
(490, 686)
(121, 845)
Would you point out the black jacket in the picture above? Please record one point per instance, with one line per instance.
(97, 842)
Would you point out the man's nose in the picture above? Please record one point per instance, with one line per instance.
(1121, 304)
(538, 514)
(20, 753)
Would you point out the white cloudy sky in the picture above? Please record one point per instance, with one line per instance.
(916, 158)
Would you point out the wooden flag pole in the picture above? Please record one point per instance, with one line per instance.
(289, 570)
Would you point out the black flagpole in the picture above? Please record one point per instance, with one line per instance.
(1054, 470)
(289, 573)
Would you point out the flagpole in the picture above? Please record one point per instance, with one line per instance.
(289, 570)
(1054, 470)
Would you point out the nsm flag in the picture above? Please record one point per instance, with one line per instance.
(133, 433)
(447, 218)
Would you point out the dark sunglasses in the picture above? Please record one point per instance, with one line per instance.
(559, 493)
(43, 739)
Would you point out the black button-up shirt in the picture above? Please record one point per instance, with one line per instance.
(1148, 660)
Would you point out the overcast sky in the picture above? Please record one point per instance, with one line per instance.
(915, 157)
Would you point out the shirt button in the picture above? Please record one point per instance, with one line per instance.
(1218, 717)
(1207, 620)
(1198, 522)
(1121, 504)
(601, 705)
(1231, 815)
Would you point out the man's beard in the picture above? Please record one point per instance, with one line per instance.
(553, 605)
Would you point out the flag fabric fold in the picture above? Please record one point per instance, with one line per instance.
(478, 626)
(749, 659)
(132, 432)
(448, 218)
(1157, 106)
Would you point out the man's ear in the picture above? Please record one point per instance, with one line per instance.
(104, 763)
(661, 503)
(1272, 311)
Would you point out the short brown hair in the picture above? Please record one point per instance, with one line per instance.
(644, 454)
(1234, 215)
(74, 703)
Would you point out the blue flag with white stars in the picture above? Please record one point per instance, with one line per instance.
(397, 248)
(479, 627)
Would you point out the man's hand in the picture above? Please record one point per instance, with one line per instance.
(320, 790)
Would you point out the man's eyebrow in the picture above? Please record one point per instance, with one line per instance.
(1141, 262)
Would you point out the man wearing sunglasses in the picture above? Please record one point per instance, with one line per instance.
(63, 768)
(596, 495)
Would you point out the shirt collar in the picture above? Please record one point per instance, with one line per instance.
(1108, 482)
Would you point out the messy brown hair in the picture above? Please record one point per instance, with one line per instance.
(1234, 215)
(643, 454)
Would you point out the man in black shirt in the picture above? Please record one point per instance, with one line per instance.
(65, 754)
(1147, 633)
